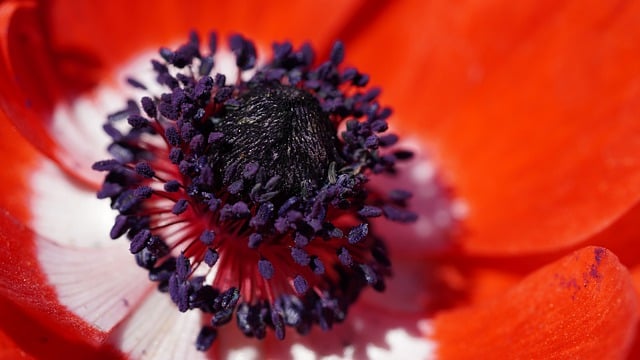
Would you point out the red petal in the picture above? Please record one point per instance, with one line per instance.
(583, 306)
(29, 194)
(622, 237)
(23, 337)
(19, 156)
(114, 30)
(635, 349)
(530, 106)
(31, 85)
(22, 281)
(9, 349)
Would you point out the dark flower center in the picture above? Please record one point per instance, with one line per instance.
(283, 129)
(240, 198)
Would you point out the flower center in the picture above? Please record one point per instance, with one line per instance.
(241, 199)
(279, 132)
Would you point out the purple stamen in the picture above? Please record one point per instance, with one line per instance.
(265, 177)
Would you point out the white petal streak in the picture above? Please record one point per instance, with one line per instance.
(157, 330)
(99, 285)
(67, 213)
(77, 125)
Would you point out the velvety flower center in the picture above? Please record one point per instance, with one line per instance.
(240, 196)
(283, 129)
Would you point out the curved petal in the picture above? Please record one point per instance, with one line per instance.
(634, 353)
(156, 330)
(31, 85)
(54, 279)
(100, 285)
(39, 196)
(38, 274)
(530, 107)
(622, 237)
(24, 282)
(583, 306)
(19, 156)
(23, 337)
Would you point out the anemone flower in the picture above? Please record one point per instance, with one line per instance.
(521, 119)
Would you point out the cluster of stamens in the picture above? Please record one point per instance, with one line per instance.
(241, 199)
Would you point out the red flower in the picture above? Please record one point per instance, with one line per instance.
(529, 110)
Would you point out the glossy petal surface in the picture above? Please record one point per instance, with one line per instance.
(22, 280)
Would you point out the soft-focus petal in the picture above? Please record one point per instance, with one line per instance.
(530, 107)
(31, 84)
(622, 237)
(38, 194)
(583, 306)
(9, 349)
(368, 334)
(635, 349)
(23, 280)
(483, 132)
(151, 24)
(22, 158)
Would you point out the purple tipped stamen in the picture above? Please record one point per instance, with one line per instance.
(242, 200)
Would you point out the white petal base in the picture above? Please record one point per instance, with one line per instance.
(439, 212)
(99, 285)
(66, 213)
(94, 277)
(157, 330)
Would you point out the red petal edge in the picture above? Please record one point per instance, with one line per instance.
(23, 282)
(582, 306)
(22, 337)
(30, 83)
